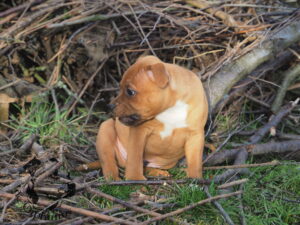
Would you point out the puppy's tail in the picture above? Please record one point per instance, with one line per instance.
(210, 147)
(89, 166)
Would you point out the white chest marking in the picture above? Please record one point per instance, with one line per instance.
(172, 118)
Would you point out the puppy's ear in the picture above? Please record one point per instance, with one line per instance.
(158, 74)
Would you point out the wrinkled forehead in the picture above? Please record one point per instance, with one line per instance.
(134, 75)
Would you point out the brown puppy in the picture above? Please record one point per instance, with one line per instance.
(160, 116)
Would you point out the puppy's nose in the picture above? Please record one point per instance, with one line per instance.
(111, 106)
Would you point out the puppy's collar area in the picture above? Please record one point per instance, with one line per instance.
(173, 117)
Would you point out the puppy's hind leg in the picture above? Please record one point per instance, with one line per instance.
(105, 146)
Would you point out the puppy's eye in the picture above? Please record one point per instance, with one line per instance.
(130, 92)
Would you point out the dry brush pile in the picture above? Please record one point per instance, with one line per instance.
(247, 54)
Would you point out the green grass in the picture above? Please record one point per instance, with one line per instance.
(266, 197)
(120, 192)
(53, 127)
(271, 196)
(268, 193)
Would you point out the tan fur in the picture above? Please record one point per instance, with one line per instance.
(158, 86)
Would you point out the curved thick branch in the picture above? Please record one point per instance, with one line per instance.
(219, 85)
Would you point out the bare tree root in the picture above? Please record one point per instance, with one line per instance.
(220, 84)
(289, 77)
(258, 149)
(239, 88)
(274, 121)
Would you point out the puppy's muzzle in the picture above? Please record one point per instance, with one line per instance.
(130, 120)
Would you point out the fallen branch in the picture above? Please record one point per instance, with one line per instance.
(222, 82)
(20, 7)
(85, 212)
(268, 67)
(274, 121)
(17, 183)
(258, 149)
(7, 204)
(226, 18)
(240, 158)
(278, 147)
(31, 18)
(178, 211)
(219, 207)
(24, 149)
(241, 207)
(154, 182)
(85, 87)
(51, 169)
(97, 17)
(233, 183)
(128, 205)
(289, 77)
(288, 136)
(47, 173)
(273, 163)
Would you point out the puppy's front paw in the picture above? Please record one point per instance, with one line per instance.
(194, 174)
(157, 172)
(112, 178)
(135, 177)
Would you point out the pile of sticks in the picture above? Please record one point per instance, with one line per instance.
(81, 48)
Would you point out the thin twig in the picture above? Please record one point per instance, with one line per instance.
(5, 207)
(233, 183)
(10, 84)
(155, 182)
(241, 206)
(128, 205)
(178, 211)
(237, 130)
(240, 158)
(86, 86)
(51, 169)
(257, 149)
(289, 77)
(27, 145)
(273, 163)
(17, 183)
(48, 173)
(274, 121)
(19, 7)
(97, 17)
(141, 29)
(219, 207)
(67, 207)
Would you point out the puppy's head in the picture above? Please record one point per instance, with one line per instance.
(143, 91)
